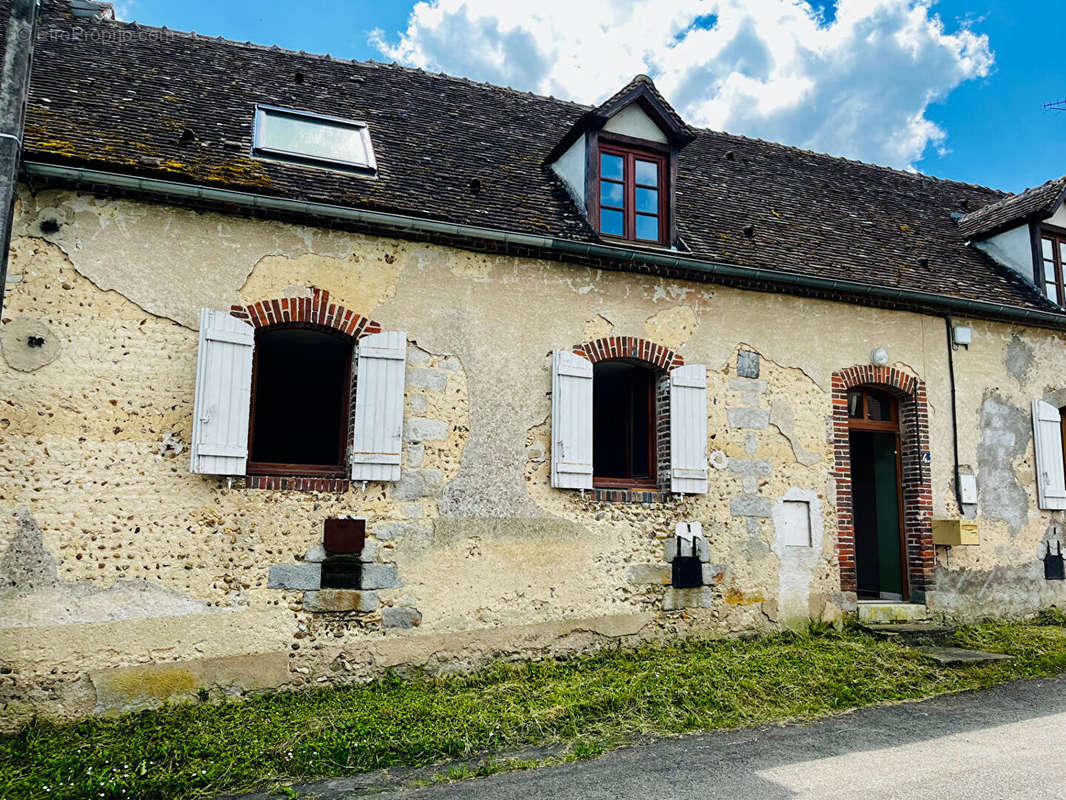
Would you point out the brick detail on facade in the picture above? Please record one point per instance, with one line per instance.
(296, 483)
(313, 310)
(629, 347)
(662, 431)
(916, 481)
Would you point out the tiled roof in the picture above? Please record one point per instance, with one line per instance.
(177, 106)
(1032, 204)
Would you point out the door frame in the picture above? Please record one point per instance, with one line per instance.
(890, 426)
(916, 481)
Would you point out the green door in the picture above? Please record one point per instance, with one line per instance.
(875, 498)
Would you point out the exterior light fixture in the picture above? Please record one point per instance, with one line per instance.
(879, 357)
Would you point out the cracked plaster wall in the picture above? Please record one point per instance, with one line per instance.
(95, 447)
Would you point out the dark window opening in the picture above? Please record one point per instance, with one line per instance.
(300, 401)
(632, 194)
(623, 424)
(343, 541)
(1053, 256)
(687, 572)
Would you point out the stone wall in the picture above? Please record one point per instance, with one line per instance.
(128, 580)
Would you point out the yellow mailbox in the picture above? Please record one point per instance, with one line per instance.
(955, 532)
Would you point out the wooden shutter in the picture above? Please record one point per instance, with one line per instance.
(1047, 440)
(571, 421)
(377, 438)
(223, 394)
(688, 429)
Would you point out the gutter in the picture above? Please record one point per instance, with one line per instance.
(414, 225)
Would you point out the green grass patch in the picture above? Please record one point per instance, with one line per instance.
(589, 704)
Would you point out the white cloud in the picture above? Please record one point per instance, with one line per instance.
(857, 86)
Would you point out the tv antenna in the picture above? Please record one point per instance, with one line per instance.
(1058, 105)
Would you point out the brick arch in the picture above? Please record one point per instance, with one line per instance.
(629, 347)
(313, 310)
(916, 473)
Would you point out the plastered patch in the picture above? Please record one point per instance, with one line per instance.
(356, 282)
(672, 327)
(28, 344)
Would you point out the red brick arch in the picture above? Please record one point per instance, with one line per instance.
(629, 347)
(314, 310)
(916, 474)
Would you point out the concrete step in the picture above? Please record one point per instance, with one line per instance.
(958, 657)
(889, 611)
(912, 633)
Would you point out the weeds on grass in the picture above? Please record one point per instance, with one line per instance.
(589, 703)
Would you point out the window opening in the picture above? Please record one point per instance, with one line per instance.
(632, 185)
(313, 138)
(300, 401)
(623, 424)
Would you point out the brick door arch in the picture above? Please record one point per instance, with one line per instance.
(916, 481)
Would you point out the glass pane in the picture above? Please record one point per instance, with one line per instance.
(610, 166)
(878, 407)
(611, 194)
(647, 227)
(1062, 252)
(648, 200)
(1053, 293)
(855, 405)
(612, 222)
(647, 173)
(314, 138)
(1048, 251)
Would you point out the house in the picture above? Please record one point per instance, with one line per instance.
(313, 368)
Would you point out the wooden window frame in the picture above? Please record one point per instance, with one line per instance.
(1058, 241)
(631, 149)
(650, 483)
(339, 470)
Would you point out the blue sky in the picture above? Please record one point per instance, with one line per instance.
(954, 88)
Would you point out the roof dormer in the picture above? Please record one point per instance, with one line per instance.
(618, 163)
(1026, 232)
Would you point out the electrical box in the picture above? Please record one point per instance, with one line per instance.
(968, 489)
(955, 532)
(962, 334)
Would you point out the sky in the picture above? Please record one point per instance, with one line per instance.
(954, 88)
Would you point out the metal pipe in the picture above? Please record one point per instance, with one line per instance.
(954, 413)
(400, 223)
(20, 33)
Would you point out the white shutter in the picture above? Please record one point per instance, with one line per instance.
(223, 394)
(571, 421)
(688, 429)
(1047, 440)
(377, 440)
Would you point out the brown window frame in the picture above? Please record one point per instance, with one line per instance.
(623, 146)
(339, 470)
(1057, 236)
(651, 481)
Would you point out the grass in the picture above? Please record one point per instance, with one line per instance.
(588, 704)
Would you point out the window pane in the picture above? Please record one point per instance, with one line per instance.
(314, 138)
(1046, 244)
(855, 404)
(612, 222)
(648, 200)
(611, 194)
(878, 407)
(647, 227)
(1052, 293)
(1062, 251)
(647, 173)
(610, 166)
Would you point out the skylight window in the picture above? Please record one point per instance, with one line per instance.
(313, 138)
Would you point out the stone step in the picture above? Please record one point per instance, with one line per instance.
(958, 657)
(894, 612)
(912, 633)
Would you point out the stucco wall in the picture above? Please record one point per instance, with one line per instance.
(129, 579)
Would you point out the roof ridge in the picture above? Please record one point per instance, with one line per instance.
(1011, 197)
(371, 63)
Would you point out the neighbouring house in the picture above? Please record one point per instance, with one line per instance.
(313, 368)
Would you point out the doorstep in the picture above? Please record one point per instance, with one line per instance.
(891, 611)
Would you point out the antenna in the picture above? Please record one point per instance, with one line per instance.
(1058, 105)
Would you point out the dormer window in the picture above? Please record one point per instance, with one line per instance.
(1053, 256)
(632, 191)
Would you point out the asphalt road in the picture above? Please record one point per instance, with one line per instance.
(1007, 742)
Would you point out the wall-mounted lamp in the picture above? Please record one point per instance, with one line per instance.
(879, 357)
